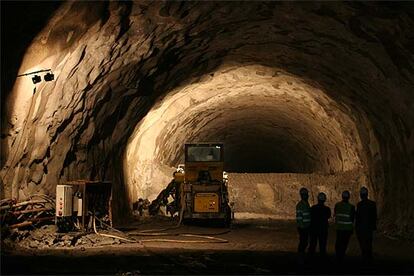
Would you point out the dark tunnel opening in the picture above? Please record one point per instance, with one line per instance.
(260, 156)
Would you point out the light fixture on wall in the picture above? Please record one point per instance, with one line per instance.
(49, 76)
(36, 78)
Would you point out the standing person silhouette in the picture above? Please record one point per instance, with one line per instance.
(303, 220)
(320, 215)
(365, 224)
(344, 214)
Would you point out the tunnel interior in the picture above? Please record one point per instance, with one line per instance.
(269, 122)
(317, 88)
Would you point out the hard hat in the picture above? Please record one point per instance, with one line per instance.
(303, 191)
(321, 197)
(363, 191)
(346, 195)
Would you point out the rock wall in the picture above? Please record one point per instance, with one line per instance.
(268, 121)
(114, 61)
(274, 195)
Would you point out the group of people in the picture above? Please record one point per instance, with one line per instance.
(313, 223)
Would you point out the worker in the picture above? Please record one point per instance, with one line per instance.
(365, 224)
(303, 222)
(344, 213)
(320, 215)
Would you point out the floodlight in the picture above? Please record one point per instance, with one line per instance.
(49, 77)
(36, 79)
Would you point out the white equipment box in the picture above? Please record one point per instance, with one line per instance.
(64, 200)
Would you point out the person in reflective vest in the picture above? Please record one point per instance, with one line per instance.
(344, 214)
(303, 221)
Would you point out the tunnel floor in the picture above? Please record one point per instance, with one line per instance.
(265, 247)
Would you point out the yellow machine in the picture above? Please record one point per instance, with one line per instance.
(203, 189)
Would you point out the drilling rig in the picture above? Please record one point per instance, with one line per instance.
(199, 187)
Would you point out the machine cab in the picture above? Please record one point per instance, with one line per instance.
(204, 162)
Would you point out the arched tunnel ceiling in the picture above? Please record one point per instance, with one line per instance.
(113, 62)
(269, 122)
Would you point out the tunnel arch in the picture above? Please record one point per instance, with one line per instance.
(252, 109)
(115, 65)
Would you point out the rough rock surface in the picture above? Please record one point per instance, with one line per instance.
(47, 237)
(275, 195)
(269, 122)
(115, 61)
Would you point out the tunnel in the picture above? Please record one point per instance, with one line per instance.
(270, 122)
(312, 93)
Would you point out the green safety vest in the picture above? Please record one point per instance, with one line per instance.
(344, 214)
(303, 216)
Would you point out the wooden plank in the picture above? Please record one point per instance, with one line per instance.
(16, 213)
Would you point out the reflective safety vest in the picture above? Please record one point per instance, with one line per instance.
(344, 216)
(303, 215)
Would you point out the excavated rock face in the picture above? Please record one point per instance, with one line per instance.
(316, 87)
(268, 120)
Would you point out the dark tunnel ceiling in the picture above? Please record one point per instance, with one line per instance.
(115, 61)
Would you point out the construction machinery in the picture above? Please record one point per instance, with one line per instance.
(199, 187)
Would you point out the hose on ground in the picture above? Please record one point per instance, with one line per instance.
(161, 232)
(157, 232)
(208, 238)
(141, 233)
(110, 236)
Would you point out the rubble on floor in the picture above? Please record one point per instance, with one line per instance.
(47, 237)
